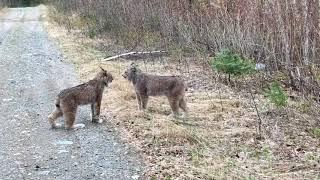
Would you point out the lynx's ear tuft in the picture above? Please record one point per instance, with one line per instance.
(102, 69)
(133, 65)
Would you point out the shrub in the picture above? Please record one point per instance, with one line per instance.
(232, 64)
(276, 95)
(316, 132)
(92, 32)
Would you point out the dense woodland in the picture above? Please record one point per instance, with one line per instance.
(18, 3)
(284, 35)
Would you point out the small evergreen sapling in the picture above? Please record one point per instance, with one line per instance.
(276, 95)
(231, 63)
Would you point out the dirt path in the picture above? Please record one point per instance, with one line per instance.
(31, 74)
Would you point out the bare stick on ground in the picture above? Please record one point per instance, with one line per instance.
(133, 54)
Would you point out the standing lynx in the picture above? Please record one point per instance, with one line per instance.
(69, 99)
(145, 85)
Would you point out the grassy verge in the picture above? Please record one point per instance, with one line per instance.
(3, 10)
(217, 141)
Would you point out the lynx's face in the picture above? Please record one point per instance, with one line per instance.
(130, 73)
(106, 77)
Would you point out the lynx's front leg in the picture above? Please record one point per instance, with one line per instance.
(144, 102)
(96, 109)
(69, 111)
(139, 101)
(92, 111)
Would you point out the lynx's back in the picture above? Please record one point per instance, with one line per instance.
(83, 93)
(163, 85)
(160, 85)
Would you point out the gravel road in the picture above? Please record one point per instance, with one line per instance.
(31, 75)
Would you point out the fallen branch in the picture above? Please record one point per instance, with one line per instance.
(133, 53)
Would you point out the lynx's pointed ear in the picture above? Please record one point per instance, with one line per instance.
(133, 65)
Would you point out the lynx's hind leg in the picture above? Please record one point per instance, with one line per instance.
(69, 117)
(69, 110)
(174, 104)
(54, 116)
(183, 106)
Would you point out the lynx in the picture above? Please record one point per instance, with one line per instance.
(69, 99)
(145, 85)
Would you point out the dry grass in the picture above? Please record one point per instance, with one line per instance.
(218, 139)
(3, 10)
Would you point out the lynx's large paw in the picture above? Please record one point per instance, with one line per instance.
(56, 125)
(174, 115)
(97, 119)
(185, 116)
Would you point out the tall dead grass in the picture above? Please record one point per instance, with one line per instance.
(5, 3)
